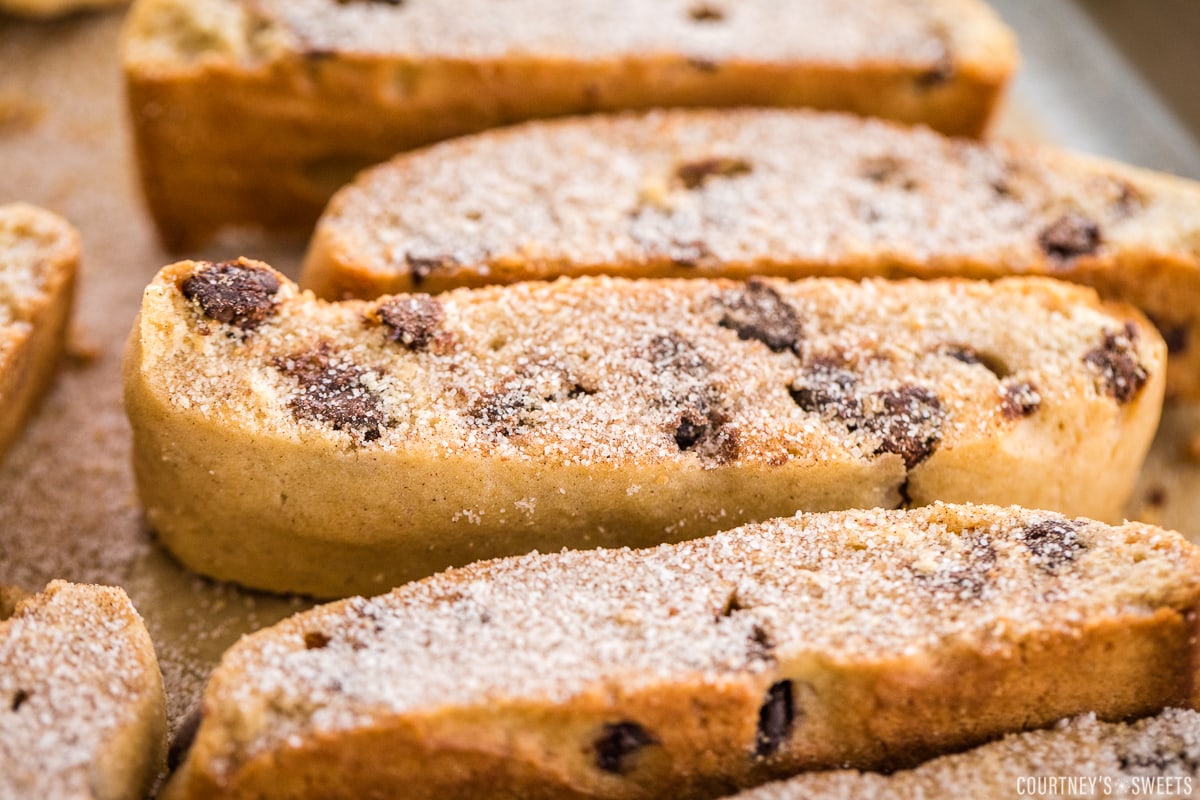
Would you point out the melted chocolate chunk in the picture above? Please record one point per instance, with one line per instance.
(775, 719)
(908, 423)
(828, 388)
(19, 699)
(233, 293)
(694, 174)
(706, 12)
(1019, 399)
(182, 741)
(618, 744)
(1053, 543)
(1070, 236)
(693, 425)
(696, 421)
(315, 640)
(942, 70)
(412, 320)
(1121, 375)
(421, 267)
(759, 313)
(333, 391)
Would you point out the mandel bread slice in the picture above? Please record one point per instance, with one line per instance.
(861, 638)
(255, 111)
(292, 444)
(741, 193)
(81, 698)
(39, 255)
(1079, 758)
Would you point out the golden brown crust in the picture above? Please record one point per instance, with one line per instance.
(339, 448)
(82, 712)
(851, 638)
(211, 80)
(802, 194)
(39, 254)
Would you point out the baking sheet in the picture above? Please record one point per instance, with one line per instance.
(67, 502)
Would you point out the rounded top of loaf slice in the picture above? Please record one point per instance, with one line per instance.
(781, 597)
(81, 697)
(38, 252)
(1166, 745)
(607, 372)
(960, 35)
(734, 193)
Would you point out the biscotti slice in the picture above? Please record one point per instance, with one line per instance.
(255, 111)
(1080, 758)
(862, 638)
(48, 9)
(740, 193)
(81, 698)
(291, 444)
(39, 253)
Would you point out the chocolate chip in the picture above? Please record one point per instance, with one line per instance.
(703, 64)
(969, 355)
(618, 744)
(941, 71)
(692, 425)
(509, 411)
(760, 647)
(758, 313)
(775, 719)
(888, 171)
(706, 12)
(828, 388)
(968, 580)
(1177, 336)
(333, 391)
(181, 742)
(1053, 542)
(1019, 399)
(732, 603)
(412, 320)
(1163, 758)
(19, 699)
(1121, 375)
(1070, 236)
(908, 423)
(233, 292)
(315, 640)
(421, 267)
(694, 174)
(1156, 497)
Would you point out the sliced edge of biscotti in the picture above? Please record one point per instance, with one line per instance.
(81, 697)
(39, 255)
(292, 444)
(861, 638)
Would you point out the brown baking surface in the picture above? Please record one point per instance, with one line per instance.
(67, 503)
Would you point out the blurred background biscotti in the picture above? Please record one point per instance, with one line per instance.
(252, 112)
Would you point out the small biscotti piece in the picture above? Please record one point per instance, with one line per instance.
(39, 253)
(47, 9)
(291, 444)
(255, 111)
(1082, 758)
(789, 193)
(81, 698)
(863, 638)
